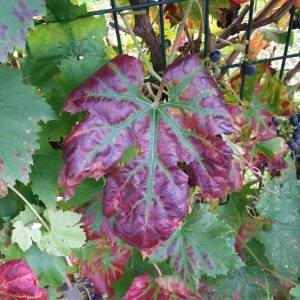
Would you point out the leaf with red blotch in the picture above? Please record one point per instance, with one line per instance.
(199, 247)
(102, 259)
(264, 97)
(18, 281)
(177, 289)
(144, 287)
(150, 194)
(16, 17)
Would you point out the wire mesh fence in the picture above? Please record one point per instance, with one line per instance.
(266, 17)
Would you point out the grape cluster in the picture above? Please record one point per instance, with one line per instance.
(290, 130)
(86, 286)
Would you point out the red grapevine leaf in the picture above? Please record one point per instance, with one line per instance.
(102, 260)
(144, 287)
(18, 281)
(150, 194)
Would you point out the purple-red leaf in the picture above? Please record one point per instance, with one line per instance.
(19, 282)
(150, 194)
(144, 287)
(102, 260)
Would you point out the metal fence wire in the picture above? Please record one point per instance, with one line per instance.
(252, 24)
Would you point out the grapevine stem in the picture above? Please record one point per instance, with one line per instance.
(157, 269)
(137, 45)
(30, 206)
(136, 13)
(159, 93)
(222, 40)
(179, 32)
(262, 266)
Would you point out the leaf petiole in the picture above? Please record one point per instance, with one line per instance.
(158, 269)
(30, 206)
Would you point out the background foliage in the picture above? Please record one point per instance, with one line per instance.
(180, 186)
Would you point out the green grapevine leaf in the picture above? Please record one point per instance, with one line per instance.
(180, 131)
(295, 292)
(280, 204)
(249, 282)
(235, 212)
(68, 32)
(199, 246)
(16, 17)
(50, 269)
(277, 36)
(47, 162)
(269, 148)
(23, 235)
(21, 109)
(27, 217)
(86, 192)
(65, 233)
(46, 165)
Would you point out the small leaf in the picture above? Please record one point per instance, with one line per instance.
(199, 246)
(144, 287)
(19, 282)
(65, 235)
(134, 267)
(269, 148)
(27, 216)
(234, 213)
(21, 109)
(102, 259)
(277, 36)
(177, 289)
(23, 236)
